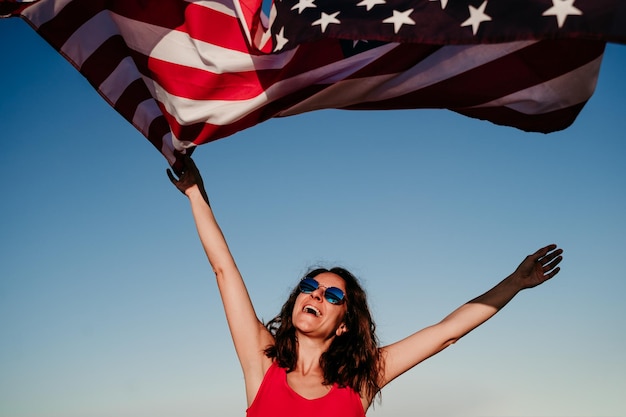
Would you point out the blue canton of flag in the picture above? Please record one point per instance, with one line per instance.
(447, 22)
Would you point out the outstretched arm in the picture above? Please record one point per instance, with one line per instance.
(405, 354)
(249, 335)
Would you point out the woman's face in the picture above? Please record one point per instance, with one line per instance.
(315, 316)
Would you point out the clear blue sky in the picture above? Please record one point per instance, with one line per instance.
(109, 308)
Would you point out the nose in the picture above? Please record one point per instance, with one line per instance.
(317, 294)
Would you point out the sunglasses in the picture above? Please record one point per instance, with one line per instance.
(332, 294)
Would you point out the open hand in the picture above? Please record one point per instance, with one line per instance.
(539, 267)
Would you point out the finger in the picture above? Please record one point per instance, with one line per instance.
(548, 257)
(543, 251)
(173, 180)
(171, 176)
(552, 273)
(552, 264)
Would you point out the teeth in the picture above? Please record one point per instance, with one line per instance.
(311, 309)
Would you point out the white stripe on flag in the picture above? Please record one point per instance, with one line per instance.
(445, 63)
(89, 36)
(44, 11)
(120, 78)
(553, 94)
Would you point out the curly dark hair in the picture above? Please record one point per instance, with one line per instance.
(353, 359)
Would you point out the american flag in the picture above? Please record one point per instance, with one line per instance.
(186, 73)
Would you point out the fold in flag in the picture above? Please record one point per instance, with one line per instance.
(186, 73)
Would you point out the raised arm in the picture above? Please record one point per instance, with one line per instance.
(249, 335)
(405, 354)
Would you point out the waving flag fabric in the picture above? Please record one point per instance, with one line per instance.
(448, 22)
(186, 73)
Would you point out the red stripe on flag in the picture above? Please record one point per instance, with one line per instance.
(75, 13)
(9, 8)
(134, 94)
(213, 27)
(524, 68)
(198, 84)
(104, 60)
(543, 123)
(157, 129)
(200, 22)
(251, 10)
(200, 133)
(169, 14)
(397, 60)
(307, 57)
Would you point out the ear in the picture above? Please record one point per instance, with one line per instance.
(341, 329)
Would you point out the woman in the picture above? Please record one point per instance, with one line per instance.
(320, 355)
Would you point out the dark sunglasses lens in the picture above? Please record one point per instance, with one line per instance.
(308, 285)
(334, 295)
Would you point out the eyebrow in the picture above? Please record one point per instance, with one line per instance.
(329, 286)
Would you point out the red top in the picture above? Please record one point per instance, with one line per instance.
(276, 399)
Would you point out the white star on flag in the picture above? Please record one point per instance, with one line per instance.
(370, 3)
(400, 18)
(444, 3)
(561, 9)
(303, 4)
(281, 41)
(326, 20)
(477, 16)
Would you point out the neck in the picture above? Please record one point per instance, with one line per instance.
(309, 353)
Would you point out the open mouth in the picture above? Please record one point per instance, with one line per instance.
(312, 310)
